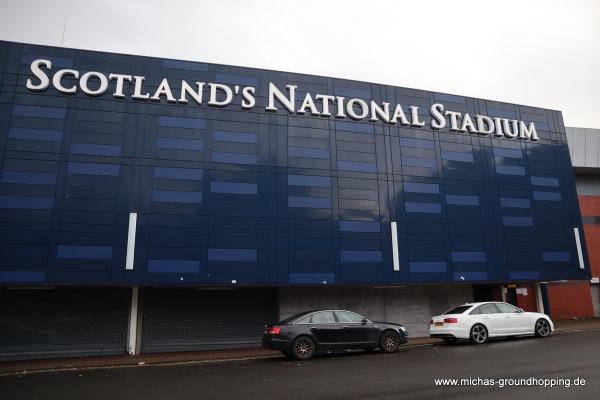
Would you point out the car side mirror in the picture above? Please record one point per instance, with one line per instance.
(364, 321)
(521, 310)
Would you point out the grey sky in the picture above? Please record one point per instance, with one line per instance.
(540, 53)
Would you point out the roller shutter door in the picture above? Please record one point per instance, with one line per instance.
(188, 319)
(63, 322)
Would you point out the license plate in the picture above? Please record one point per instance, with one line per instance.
(439, 324)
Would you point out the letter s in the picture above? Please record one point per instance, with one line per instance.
(44, 81)
(438, 121)
(249, 100)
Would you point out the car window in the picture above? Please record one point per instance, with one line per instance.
(305, 320)
(507, 308)
(485, 309)
(323, 317)
(348, 316)
(458, 310)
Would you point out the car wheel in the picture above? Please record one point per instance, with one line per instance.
(479, 334)
(389, 342)
(303, 348)
(542, 328)
(450, 340)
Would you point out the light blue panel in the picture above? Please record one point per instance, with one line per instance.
(537, 180)
(510, 153)
(547, 196)
(185, 65)
(510, 170)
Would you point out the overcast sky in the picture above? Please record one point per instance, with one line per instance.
(539, 53)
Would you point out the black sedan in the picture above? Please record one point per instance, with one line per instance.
(301, 335)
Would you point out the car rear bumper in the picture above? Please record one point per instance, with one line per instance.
(273, 343)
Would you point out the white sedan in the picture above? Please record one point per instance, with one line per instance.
(480, 321)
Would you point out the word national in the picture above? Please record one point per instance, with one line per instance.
(92, 83)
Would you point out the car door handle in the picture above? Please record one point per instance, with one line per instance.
(344, 327)
(313, 328)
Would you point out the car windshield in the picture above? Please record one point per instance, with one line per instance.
(458, 310)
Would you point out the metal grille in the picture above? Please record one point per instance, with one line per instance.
(59, 322)
(186, 320)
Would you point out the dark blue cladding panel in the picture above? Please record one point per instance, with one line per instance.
(235, 185)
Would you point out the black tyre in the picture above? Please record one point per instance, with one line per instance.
(542, 328)
(303, 348)
(479, 334)
(450, 340)
(389, 342)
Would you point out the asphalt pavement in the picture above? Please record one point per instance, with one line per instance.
(75, 363)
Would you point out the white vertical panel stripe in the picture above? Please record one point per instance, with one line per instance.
(131, 241)
(395, 254)
(579, 252)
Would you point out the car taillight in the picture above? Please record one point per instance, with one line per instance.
(274, 330)
(451, 320)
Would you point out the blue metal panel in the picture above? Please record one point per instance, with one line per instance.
(232, 193)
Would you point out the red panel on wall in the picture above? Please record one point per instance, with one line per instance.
(570, 301)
